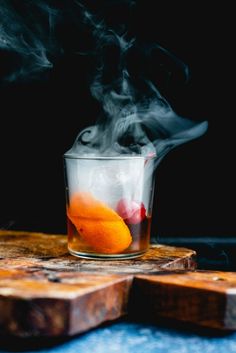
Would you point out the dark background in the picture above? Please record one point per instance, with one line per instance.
(195, 183)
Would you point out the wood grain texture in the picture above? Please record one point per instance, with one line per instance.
(206, 298)
(39, 303)
(24, 249)
(46, 291)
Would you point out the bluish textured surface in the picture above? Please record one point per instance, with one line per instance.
(132, 337)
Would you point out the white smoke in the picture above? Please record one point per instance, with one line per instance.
(27, 30)
(136, 118)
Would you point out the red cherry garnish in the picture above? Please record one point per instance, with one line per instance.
(131, 211)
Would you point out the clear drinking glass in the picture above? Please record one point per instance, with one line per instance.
(109, 205)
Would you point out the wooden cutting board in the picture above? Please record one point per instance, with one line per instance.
(44, 291)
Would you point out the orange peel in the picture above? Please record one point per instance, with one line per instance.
(99, 225)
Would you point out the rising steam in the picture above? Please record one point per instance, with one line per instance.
(26, 29)
(136, 119)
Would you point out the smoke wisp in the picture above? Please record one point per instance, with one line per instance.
(27, 31)
(135, 118)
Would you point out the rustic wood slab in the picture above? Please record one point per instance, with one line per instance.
(48, 304)
(25, 250)
(206, 298)
(46, 291)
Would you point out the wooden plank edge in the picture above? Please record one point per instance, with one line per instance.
(51, 317)
(196, 300)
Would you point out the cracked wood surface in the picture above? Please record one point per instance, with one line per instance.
(44, 291)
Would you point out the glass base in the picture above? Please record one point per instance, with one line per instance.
(95, 256)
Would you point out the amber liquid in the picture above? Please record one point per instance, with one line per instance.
(140, 239)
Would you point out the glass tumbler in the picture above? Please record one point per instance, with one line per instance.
(109, 205)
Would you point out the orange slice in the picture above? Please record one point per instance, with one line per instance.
(99, 225)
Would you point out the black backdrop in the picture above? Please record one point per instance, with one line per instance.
(195, 184)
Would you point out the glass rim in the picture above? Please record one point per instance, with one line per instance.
(121, 157)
